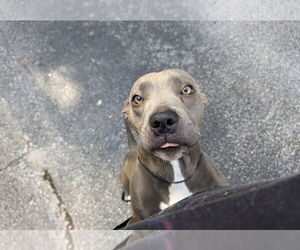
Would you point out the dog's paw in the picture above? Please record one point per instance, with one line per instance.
(126, 197)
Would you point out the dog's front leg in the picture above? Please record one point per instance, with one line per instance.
(145, 198)
(134, 219)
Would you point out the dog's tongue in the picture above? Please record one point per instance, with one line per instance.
(167, 145)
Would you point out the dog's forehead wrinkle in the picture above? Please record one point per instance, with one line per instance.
(144, 86)
(139, 88)
(179, 80)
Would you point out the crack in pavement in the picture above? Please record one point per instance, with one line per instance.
(49, 180)
(63, 209)
(47, 177)
(22, 157)
(15, 162)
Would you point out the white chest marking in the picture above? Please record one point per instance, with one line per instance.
(178, 191)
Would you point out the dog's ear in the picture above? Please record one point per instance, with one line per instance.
(130, 138)
(203, 97)
(125, 109)
(126, 114)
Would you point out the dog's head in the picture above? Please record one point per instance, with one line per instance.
(166, 109)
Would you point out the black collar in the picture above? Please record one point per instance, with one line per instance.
(162, 179)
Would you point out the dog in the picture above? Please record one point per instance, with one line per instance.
(166, 165)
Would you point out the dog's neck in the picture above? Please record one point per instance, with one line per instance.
(188, 162)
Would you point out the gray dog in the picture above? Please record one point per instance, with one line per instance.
(167, 164)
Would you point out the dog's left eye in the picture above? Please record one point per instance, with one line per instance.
(137, 99)
(187, 90)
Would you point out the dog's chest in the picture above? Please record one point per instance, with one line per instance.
(177, 191)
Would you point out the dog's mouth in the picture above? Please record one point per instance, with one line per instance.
(169, 148)
(170, 151)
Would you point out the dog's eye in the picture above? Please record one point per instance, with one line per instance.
(187, 90)
(137, 99)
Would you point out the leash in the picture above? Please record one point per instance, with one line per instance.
(162, 179)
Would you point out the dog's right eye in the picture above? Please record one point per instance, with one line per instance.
(137, 99)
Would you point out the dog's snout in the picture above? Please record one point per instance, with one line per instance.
(163, 122)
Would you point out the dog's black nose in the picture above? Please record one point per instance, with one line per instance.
(163, 122)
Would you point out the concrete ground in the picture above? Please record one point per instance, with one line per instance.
(149, 10)
(62, 86)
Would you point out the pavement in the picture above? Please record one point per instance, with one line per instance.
(63, 84)
(149, 10)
